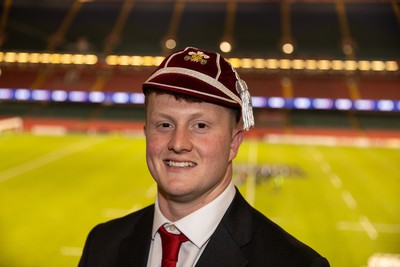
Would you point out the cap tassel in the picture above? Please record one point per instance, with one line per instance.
(247, 108)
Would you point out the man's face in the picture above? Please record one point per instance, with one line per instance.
(190, 147)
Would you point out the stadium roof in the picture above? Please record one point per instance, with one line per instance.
(363, 30)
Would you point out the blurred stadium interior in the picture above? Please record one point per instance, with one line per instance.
(285, 50)
(321, 69)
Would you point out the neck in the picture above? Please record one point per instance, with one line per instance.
(175, 208)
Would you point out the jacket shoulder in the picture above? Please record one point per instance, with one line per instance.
(119, 226)
(264, 242)
(104, 240)
(283, 247)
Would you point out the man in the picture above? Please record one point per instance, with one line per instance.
(197, 108)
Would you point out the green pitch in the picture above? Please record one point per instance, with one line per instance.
(53, 190)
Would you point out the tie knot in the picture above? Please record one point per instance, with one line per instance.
(171, 244)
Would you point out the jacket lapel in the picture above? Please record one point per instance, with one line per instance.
(233, 232)
(134, 249)
(223, 249)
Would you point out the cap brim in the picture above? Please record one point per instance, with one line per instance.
(188, 85)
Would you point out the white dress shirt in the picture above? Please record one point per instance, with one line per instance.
(197, 226)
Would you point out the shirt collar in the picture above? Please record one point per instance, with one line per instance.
(194, 225)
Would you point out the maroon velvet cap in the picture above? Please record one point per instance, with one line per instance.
(205, 75)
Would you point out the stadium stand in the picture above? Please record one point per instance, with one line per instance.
(11, 76)
(120, 80)
(379, 88)
(264, 85)
(321, 119)
(320, 87)
(68, 79)
(258, 30)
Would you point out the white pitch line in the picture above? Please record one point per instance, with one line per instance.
(336, 181)
(152, 191)
(71, 251)
(388, 228)
(368, 227)
(349, 200)
(326, 167)
(372, 230)
(380, 227)
(116, 213)
(46, 159)
(349, 226)
(316, 154)
(251, 179)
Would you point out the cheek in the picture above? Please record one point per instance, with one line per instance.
(153, 147)
(216, 149)
(153, 151)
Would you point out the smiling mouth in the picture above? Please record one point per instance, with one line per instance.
(180, 164)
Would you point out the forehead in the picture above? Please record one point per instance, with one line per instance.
(152, 95)
(170, 101)
(177, 96)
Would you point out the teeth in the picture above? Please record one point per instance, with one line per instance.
(179, 164)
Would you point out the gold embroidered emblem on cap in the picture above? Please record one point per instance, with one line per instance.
(197, 57)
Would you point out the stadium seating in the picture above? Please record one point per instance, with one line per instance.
(105, 28)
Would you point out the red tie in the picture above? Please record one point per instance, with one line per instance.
(170, 247)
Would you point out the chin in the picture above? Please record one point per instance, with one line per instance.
(178, 192)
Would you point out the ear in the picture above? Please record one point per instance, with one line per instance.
(235, 143)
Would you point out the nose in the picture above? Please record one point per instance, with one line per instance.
(180, 140)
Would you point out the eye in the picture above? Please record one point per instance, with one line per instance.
(165, 125)
(201, 125)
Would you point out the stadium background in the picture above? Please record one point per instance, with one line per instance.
(323, 160)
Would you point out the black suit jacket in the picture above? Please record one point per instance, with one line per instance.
(244, 237)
